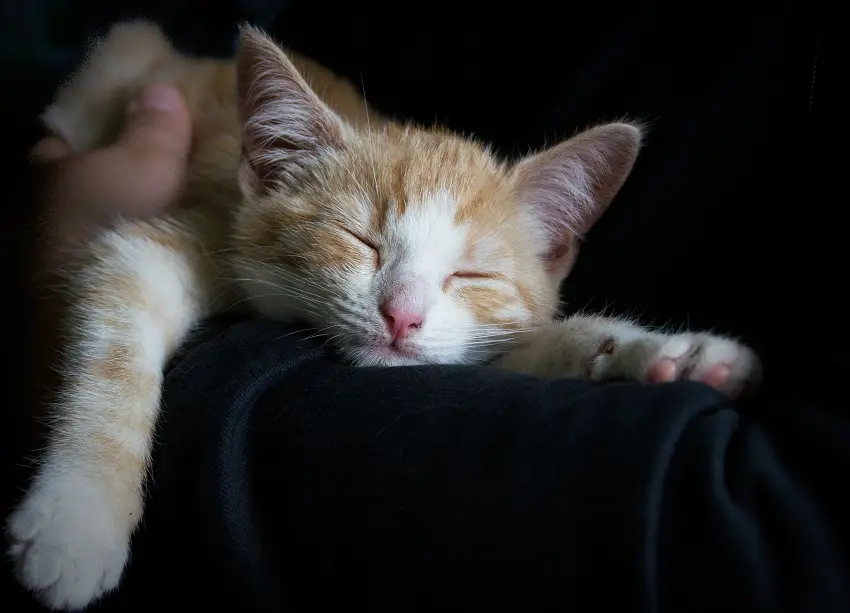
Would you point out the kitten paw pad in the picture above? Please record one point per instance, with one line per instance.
(723, 364)
(65, 542)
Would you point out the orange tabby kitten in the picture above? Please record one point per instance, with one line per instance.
(406, 245)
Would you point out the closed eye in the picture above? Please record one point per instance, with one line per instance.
(366, 242)
(467, 274)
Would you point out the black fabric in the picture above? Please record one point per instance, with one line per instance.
(285, 480)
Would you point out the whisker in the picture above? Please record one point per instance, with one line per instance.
(369, 129)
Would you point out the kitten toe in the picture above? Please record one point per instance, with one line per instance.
(662, 370)
(716, 376)
(724, 364)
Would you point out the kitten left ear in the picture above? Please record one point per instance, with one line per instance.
(285, 125)
(569, 186)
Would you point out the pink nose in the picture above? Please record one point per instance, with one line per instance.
(400, 323)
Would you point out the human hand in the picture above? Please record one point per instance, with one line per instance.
(140, 174)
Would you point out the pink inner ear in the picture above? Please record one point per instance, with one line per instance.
(569, 186)
(557, 187)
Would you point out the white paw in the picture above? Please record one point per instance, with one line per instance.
(721, 363)
(66, 542)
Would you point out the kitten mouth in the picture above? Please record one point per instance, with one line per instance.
(391, 355)
(396, 350)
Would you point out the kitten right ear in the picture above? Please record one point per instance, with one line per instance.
(568, 187)
(285, 125)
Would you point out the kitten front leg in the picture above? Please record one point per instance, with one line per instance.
(603, 348)
(144, 286)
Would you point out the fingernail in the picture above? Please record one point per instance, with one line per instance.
(157, 97)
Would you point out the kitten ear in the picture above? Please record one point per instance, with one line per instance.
(285, 125)
(569, 186)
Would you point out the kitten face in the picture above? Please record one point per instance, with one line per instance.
(403, 245)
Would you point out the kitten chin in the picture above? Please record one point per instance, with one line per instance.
(383, 356)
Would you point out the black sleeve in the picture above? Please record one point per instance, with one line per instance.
(286, 481)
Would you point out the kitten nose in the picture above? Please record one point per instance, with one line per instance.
(400, 323)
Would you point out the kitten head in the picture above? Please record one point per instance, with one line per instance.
(406, 245)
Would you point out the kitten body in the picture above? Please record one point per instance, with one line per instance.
(404, 245)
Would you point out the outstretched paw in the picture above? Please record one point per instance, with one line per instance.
(641, 355)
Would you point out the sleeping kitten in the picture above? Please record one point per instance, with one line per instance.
(405, 245)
